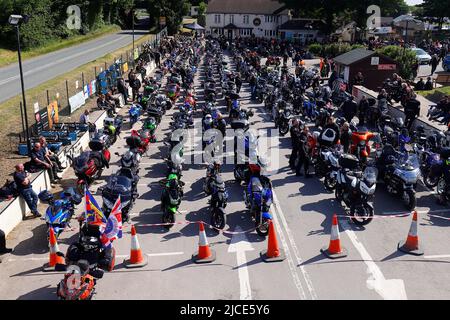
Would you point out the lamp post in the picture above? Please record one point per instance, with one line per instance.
(132, 18)
(16, 20)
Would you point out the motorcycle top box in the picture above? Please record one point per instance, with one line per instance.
(96, 145)
(349, 161)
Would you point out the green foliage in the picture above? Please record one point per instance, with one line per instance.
(173, 10)
(436, 8)
(315, 49)
(201, 8)
(405, 59)
(336, 49)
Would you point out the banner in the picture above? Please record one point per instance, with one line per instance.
(94, 87)
(53, 114)
(125, 67)
(136, 53)
(76, 101)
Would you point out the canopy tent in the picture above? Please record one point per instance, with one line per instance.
(408, 22)
(193, 26)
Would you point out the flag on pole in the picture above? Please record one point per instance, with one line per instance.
(93, 211)
(113, 228)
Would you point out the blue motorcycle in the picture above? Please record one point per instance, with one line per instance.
(258, 198)
(134, 112)
(59, 212)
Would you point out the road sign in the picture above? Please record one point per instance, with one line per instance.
(387, 67)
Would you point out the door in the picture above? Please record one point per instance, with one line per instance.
(230, 34)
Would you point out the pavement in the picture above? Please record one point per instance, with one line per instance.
(46, 67)
(302, 213)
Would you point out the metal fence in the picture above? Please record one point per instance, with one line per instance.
(73, 84)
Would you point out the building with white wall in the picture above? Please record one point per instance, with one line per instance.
(234, 18)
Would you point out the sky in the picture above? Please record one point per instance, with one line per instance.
(413, 2)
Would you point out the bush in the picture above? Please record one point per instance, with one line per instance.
(357, 46)
(336, 49)
(315, 49)
(405, 59)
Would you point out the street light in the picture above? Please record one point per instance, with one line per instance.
(132, 17)
(16, 20)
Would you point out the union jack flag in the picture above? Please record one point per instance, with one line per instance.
(113, 228)
(93, 211)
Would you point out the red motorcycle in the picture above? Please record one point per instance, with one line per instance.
(89, 165)
(144, 140)
(360, 144)
(191, 100)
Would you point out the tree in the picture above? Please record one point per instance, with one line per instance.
(405, 59)
(173, 10)
(437, 9)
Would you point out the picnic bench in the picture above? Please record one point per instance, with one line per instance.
(443, 78)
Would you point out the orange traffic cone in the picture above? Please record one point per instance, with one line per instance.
(411, 245)
(273, 252)
(56, 257)
(204, 254)
(137, 259)
(334, 250)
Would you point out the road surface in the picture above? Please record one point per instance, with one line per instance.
(46, 67)
(302, 212)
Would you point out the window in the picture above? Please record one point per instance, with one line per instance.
(270, 19)
(217, 18)
(246, 19)
(231, 18)
(245, 32)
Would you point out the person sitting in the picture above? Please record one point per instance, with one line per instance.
(25, 189)
(40, 162)
(50, 154)
(429, 84)
(420, 85)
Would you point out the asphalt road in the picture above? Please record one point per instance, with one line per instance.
(302, 212)
(46, 67)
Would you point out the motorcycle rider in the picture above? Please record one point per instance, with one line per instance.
(295, 135)
(330, 134)
(303, 153)
(412, 111)
(349, 109)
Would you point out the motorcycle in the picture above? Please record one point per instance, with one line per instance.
(356, 189)
(60, 212)
(258, 199)
(88, 166)
(284, 120)
(123, 184)
(401, 174)
(171, 199)
(79, 281)
(218, 202)
(134, 113)
(360, 144)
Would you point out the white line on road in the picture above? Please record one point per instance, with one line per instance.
(393, 289)
(46, 66)
(162, 254)
(291, 264)
(294, 247)
(393, 213)
(240, 245)
(439, 256)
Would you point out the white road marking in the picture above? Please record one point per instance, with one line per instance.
(393, 289)
(294, 247)
(162, 254)
(239, 244)
(439, 256)
(418, 211)
(291, 264)
(67, 58)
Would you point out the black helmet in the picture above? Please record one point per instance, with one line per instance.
(45, 196)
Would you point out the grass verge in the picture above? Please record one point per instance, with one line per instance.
(10, 119)
(10, 56)
(436, 94)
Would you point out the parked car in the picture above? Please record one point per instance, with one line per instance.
(446, 63)
(422, 56)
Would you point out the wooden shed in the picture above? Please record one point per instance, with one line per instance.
(374, 67)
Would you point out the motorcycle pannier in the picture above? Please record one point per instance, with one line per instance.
(96, 145)
(349, 161)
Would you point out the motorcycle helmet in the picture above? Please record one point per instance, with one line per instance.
(208, 120)
(128, 159)
(235, 104)
(45, 196)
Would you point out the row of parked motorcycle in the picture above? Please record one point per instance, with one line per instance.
(397, 157)
(87, 258)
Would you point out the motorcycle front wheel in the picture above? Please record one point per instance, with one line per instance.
(284, 129)
(440, 186)
(168, 218)
(430, 181)
(361, 216)
(330, 183)
(218, 219)
(409, 199)
(262, 228)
